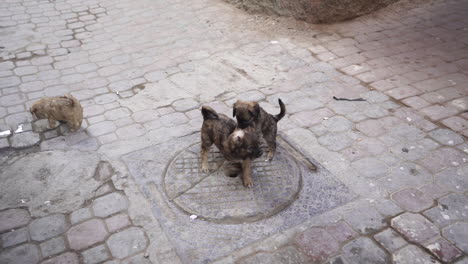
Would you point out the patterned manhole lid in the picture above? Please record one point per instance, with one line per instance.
(219, 198)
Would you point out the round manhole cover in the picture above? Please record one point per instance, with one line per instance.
(219, 198)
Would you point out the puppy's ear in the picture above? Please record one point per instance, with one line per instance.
(234, 109)
(255, 110)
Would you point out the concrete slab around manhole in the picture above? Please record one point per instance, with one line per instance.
(286, 193)
(221, 199)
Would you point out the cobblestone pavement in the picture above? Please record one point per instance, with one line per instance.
(141, 70)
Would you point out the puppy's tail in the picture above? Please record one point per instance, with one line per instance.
(73, 100)
(282, 112)
(209, 113)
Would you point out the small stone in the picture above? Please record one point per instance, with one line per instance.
(14, 237)
(451, 208)
(86, 234)
(66, 258)
(96, 254)
(52, 246)
(40, 125)
(364, 250)
(411, 199)
(23, 140)
(390, 240)
(289, 255)
(117, 222)
(364, 219)
(13, 218)
(411, 254)
(341, 231)
(414, 227)
(443, 250)
(185, 105)
(318, 244)
(405, 150)
(457, 234)
(109, 204)
(446, 137)
(127, 242)
(80, 215)
(24, 254)
(47, 227)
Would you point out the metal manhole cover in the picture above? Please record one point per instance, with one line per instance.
(219, 198)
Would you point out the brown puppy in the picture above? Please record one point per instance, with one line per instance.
(59, 108)
(250, 114)
(235, 144)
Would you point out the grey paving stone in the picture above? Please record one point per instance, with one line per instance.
(414, 227)
(341, 231)
(364, 250)
(412, 199)
(101, 128)
(185, 105)
(130, 131)
(337, 124)
(86, 234)
(109, 204)
(414, 150)
(68, 258)
(338, 260)
(364, 220)
(47, 227)
(317, 244)
(174, 119)
(25, 139)
(260, 258)
(370, 168)
(289, 255)
(433, 190)
(403, 92)
(127, 242)
(443, 250)
(117, 222)
(453, 179)
(80, 215)
(390, 240)
(437, 112)
(387, 208)
(462, 261)
(96, 254)
(371, 127)
(24, 254)
(13, 218)
(14, 237)
(451, 208)
(446, 137)
(310, 118)
(104, 189)
(456, 123)
(442, 158)
(335, 141)
(117, 113)
(416, 102)
(412, 255)
(53, 246)
(137, 259)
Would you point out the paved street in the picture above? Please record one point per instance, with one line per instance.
(390, 184)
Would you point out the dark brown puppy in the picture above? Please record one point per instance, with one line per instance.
(250, 114)
(238, 145)
(59, 108)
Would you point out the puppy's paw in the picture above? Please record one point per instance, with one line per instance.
(248, 183)
(205, 168)
(270, 156)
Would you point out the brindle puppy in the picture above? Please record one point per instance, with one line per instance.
(250, 114)
(235, 144)
(59, 108)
